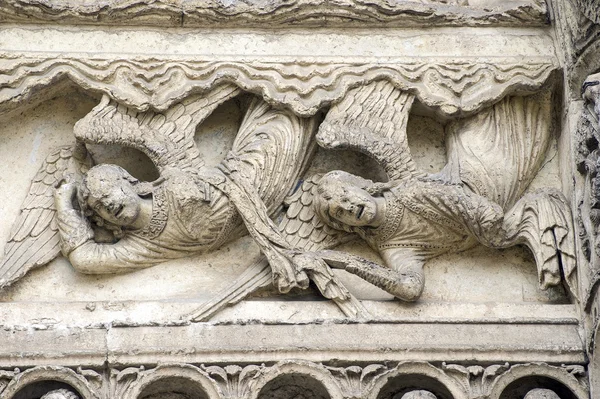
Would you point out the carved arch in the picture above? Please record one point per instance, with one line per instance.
(184, 375)
(521, 371)
(51, 373)
(309, 370)
(420, 370)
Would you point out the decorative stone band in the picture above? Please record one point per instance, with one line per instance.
(450, 87)
(278, 13)
(291, 378)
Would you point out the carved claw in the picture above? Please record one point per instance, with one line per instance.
(284, 283)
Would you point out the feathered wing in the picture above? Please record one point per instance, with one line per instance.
(34, 240)
(302, 227)
(272, 149)
(166, 138)
(303, 230)
(372, 119)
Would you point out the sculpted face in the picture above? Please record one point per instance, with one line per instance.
(119, 205)
(352, 206)
(112, 196)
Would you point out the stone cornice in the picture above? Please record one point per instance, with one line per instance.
(275, 14)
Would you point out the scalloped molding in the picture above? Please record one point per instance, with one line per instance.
(451, 87)
(277, 13)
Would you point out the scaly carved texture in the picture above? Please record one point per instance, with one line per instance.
(254, 13)
(587, 139)
(452, 88)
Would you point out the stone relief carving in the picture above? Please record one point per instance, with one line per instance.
(189, 209)
(450, 86)
(476, 380)
(414, 217)
(355, 382)
(413, 380)
(579, 25)
(281, 13)
(106, 221)
(588, 139)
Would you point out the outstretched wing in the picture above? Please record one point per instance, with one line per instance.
(372, 119)
(166, 138)
(301, 226)
(272, 149)
(34, 240)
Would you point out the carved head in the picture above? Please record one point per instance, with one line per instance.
(112, 193)
(345, 201)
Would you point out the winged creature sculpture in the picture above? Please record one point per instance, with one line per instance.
(190, 209)
(414, 217)
(477, 198)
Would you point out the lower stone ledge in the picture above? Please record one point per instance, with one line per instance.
(359, 342)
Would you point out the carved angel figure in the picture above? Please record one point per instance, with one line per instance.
(190, 209)
(478, 197)
(492, 158)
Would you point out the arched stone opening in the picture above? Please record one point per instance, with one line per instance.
(396, 387)
(520, 387)
(294, 386)
(38, 389)
(173, 388)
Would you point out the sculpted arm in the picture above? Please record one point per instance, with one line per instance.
(403, 277)
(409, 266)
(78, 245)
(123, 256)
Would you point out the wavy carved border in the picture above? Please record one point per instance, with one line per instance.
(277, 13)
(451, 88)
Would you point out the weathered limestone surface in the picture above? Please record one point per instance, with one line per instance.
(299, 199)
